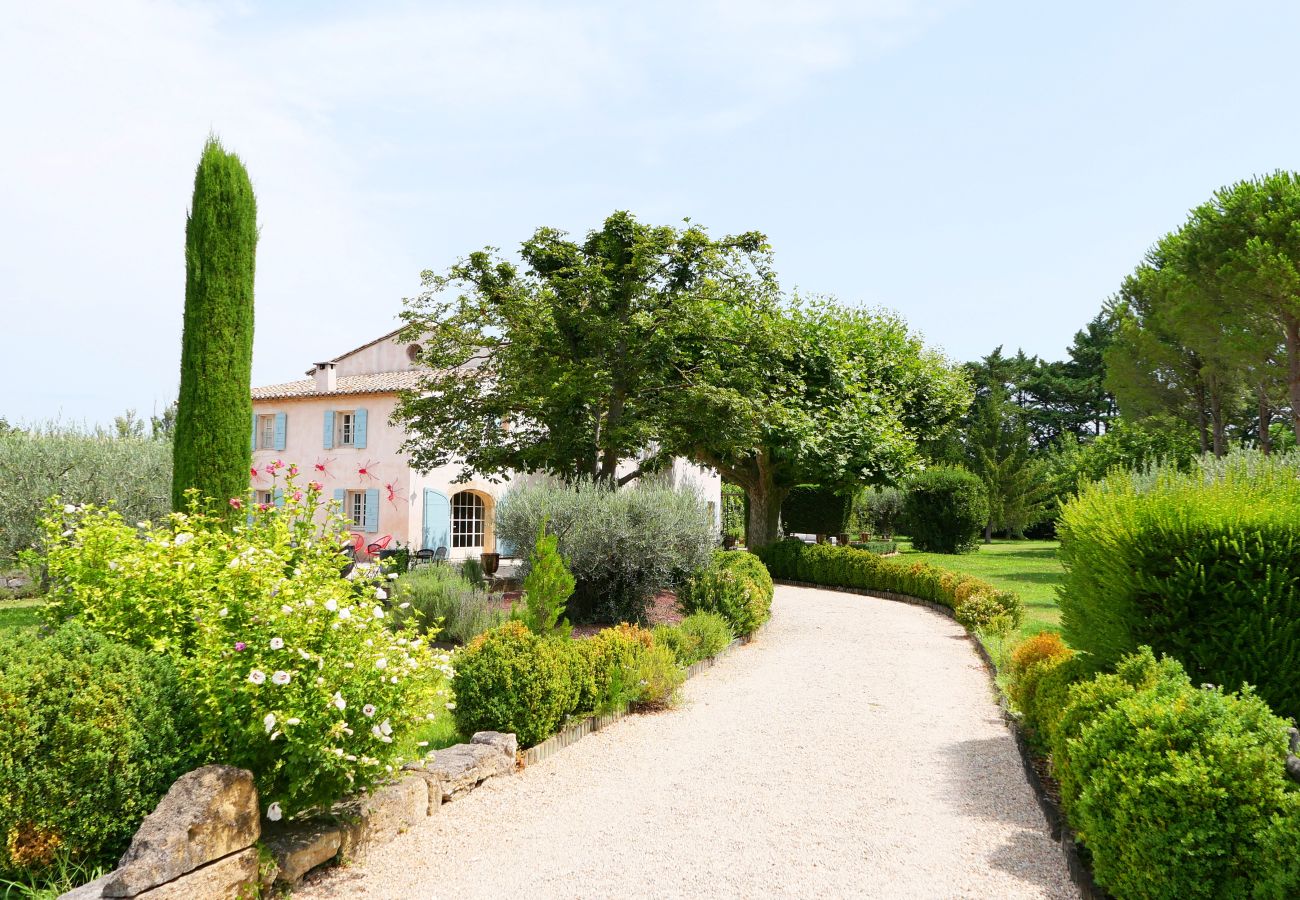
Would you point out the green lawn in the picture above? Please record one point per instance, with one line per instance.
(1030, 568)
(20, 615)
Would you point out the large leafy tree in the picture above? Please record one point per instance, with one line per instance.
(815, 393)
(999, 451)
(575, 362)
(215, 407)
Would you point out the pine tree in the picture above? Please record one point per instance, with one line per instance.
(214, 411)
(999, 452)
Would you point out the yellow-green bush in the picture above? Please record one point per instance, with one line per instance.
(509, 679)
(697, 637)
(735, 585)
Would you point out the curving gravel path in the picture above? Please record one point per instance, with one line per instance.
(853, 750)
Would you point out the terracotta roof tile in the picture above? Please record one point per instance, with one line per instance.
(374, 383)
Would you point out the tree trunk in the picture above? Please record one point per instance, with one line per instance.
(988, 532)
(1265, 420)
(1216, 421)
(1202, 426)
(764, 515)
(1292, 331)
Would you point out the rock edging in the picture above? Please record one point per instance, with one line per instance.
(202, 841)
(1080, 872)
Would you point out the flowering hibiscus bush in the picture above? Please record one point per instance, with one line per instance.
(294, 671)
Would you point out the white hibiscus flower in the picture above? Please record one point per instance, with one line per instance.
(277, 643)
(257, 676)
(281, 678)
(274, 813)
(368, 710)
(331, 604)
(269, 722)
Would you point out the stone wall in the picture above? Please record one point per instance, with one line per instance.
(207, 841)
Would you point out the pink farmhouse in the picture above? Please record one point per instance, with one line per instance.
(335, 426)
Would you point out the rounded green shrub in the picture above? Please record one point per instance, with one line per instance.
(93, 734)
(697, 637)
(509, 679)
(945, 509)
(1175, 788)
(1203, 566)
(996, 612)
(735, 589)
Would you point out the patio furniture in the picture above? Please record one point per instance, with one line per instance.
(381, 544)
(440, 555)
(422, 557)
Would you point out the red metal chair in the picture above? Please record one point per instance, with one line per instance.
(381, 544)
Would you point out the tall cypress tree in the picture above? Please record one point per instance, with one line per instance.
(215, 407)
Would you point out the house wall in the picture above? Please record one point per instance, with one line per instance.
(385, 356)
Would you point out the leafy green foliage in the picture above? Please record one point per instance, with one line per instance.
(884, 548)
(998, 451)
(816, 393)
(877, 511)
(735, 585)
(94, 734)
(998, 612)
(1199, 565)
(80, 467)
(292, 670)
(813, 509)
(945, 509)
(733, 511)
(509, 679)
(621, 546)
(1177, 791)
(696, 637)
(587, 352)
(547, 588)
(439, 601)
(215, 408)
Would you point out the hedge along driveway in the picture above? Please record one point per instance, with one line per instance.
(1030, 568)
(853, 749)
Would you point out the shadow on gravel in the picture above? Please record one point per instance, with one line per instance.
(987, 781)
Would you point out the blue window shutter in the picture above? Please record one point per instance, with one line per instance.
(341, 496)
(437, 520)
(329, 429)
(281, 428)
(359, 429)
(278, 497)
(253, 444)
(372, 509)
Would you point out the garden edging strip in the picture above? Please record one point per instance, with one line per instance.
(1080, 873)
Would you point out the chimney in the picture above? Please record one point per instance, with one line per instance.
(326, 381)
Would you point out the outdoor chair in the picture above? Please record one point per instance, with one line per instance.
(422, 557)
(381, 544)
(440, 555)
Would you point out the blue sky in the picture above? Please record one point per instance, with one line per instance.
(989, 170)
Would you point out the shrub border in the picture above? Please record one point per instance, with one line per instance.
(1062, 833)
(576, 731)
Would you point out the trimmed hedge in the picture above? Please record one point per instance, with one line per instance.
(93, 733)
(1177, 791)
(695, 638)
(1204, 566)
(945, 510)
(813, 509)
(509, 679)
(884, 548)
(846, 567)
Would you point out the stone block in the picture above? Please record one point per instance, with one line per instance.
(505, 742)
(463, 767)
(379, 816)
(232, 878)
(207, 815)
(300, 847)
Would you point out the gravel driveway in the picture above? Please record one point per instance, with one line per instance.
(853, 750)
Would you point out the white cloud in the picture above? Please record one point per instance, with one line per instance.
(341, 121)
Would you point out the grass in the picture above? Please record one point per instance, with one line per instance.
(20, 615)
(1030, 568)
(440, 733)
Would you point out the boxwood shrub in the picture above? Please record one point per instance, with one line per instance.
(93, 733)
(1177, 791)
(696, 637)
(1204, 566)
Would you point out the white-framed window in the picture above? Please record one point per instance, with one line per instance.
(345, 428)
(263, 498)
(468, 519)
(354, 507)
(266, 432)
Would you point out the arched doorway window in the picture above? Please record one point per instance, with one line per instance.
(468, 519)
